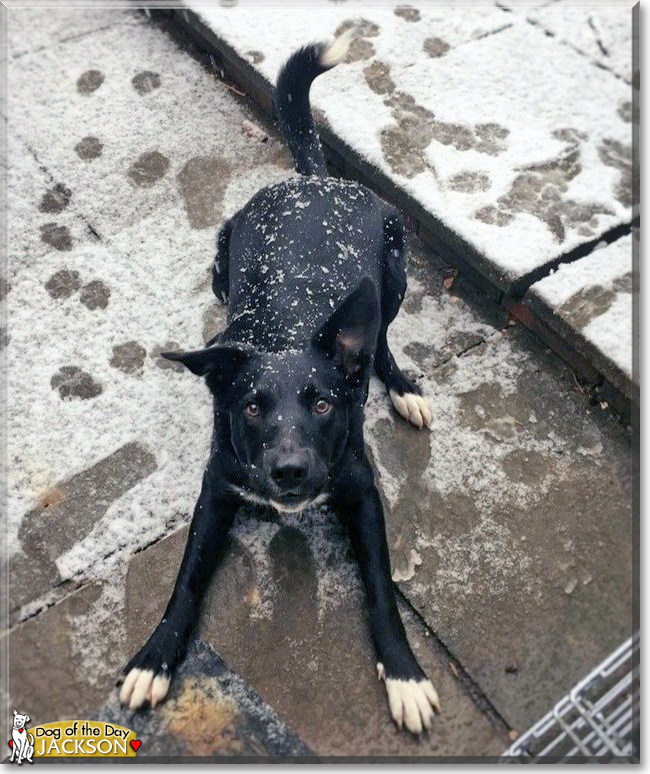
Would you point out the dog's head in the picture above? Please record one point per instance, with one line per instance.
(289, 414)
(20, 720)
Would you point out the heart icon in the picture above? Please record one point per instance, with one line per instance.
(135, 743)
(21, 730)
(11, 744)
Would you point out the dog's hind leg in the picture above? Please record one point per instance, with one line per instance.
(405, 396)
(220, 267)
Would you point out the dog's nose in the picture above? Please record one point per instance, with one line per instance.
(290, 472)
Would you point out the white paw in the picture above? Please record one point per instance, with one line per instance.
(140, 685)
(411, 702)
(412, 407)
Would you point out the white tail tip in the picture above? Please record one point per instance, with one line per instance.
(338, 49)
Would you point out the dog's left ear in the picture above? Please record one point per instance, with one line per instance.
(212, 361)
(27, 719)
(349, 336)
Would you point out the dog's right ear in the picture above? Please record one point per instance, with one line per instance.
(349, 336)
(15, 713)
(212, 361)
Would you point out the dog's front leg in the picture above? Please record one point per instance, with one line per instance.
(411, 696)
(148, 674)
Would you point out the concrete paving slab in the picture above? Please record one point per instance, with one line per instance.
(125, 136)
(67, 514)
(64, 400)
(211, 713)
(286, 612)
(60, 667)
(510, 524)
(590, 301)
(89, 246)
(54, 675)
(492, 160)
(602, 34)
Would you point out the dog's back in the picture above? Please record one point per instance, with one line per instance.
(298, 248)
(296, 251)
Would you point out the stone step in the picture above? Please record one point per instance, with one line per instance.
(590, 302)
(488, 169)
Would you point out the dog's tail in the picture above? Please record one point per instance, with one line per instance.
(292, 100)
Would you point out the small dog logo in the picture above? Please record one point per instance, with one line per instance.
(22, 743)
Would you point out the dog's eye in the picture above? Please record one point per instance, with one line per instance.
(322, 406)
(252, 410)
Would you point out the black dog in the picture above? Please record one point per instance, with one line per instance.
(313, 272)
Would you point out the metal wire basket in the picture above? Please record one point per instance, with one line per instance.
(599, 717)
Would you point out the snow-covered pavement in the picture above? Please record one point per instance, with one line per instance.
(509, 524)
(506, 134)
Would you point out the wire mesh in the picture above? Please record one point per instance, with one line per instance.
(598, 717)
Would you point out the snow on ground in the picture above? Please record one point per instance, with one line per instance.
(463, 110)
(594, 297)
(603, 34)
(462, 461)
(112, 233)
(26, 32)
(120, 171)
(123, 127)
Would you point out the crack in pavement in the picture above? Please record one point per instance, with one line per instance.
(519, 288)
(51, 179)
(593, 61)
(599, 42)
(470, 685)
(465, 350)
(59, 593)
